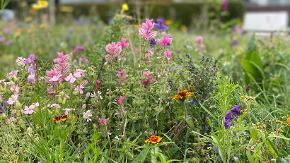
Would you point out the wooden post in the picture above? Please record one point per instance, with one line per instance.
(52, 12)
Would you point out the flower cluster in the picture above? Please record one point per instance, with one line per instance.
(31, 62)
(114, 49)
(147, 33)
(235, 111)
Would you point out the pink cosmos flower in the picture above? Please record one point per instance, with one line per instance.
(123, 43)
(167, 54)
(79, 73)
(121, 100)
(29, 110)
(103, 121)
(122, 75)
(70, 78)
(166, 40)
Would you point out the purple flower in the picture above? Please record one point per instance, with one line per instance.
(30, 60)
(236, 110)
(225, 5)
(159, 25)
(2, 106)
(235, 43)
(79, 49)
(153, 42)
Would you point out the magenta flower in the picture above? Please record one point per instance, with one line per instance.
(148, 78)
(122, 75)
(225, 5)
(123, 43)
(147, 34)
(79, 49)
(121, 100)
(148, 24)
(167, 54)
(61, 59)
(53, 76)
(103, 121)
(166, 40)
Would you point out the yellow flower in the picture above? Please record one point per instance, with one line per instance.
(183, 29)
(168, 22)
(125, 7)
(41, 4)
(153, 139)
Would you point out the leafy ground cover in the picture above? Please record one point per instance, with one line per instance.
(132, 92)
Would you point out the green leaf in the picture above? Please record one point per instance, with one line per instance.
(142, 156)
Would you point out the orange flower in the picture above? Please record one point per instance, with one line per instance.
(181, 96)
(153, 139)
(60, 118)
(288, 120)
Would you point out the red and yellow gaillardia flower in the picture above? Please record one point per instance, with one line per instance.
(153, 139)
(60, 118)
(288, 121)
(182, 95)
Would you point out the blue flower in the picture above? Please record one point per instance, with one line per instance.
(159, 25)
(235, 111)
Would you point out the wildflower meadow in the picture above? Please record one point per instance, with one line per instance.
(142, 90)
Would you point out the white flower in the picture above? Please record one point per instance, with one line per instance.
(87, 115)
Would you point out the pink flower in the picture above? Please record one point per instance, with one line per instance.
(15, 89)
(147, 34)
(53, 76)
(61, 59)
(98, 84)
(148, 24)
(20, 61)
(70, 78)
(123, 43)
(166, 40)
(84, 59)
(148, 78)
(79, 73)
(113, 49)
(12, 99)
(167, 54)
(148, 75)
(50, 91)
(29, 110)
(122, 75)
(79, 48)
(80, 87)
(103, 121)
(199, 40)
(12, 74)
(148, 53)
(121, 100)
